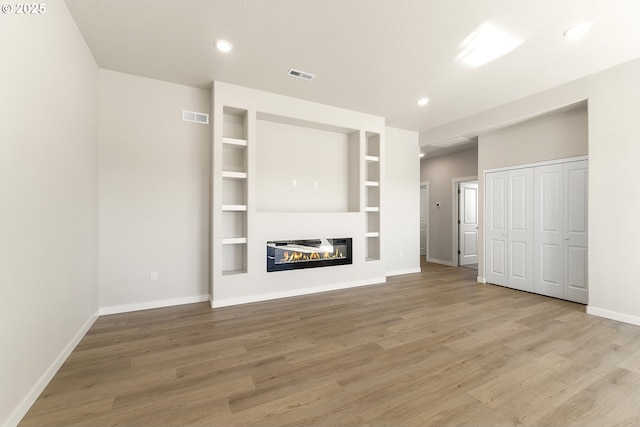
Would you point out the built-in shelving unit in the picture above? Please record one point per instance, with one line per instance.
(372, 195)
(234, 191)
(288, 169)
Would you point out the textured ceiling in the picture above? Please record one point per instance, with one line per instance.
(374, 56)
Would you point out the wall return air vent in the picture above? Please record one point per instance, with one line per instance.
(301, 74)
(192, 116)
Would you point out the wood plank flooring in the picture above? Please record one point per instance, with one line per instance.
(432, 348)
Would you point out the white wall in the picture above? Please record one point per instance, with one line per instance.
(614, 173)
(402, 202)
(613, 101)
(309, 156)
(553, 136)
(439, 172)
(154, 193)
(49, 190)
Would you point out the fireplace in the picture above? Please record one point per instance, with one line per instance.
(309, 253)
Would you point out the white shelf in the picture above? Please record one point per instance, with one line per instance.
(372, 184)
(234, 208)
(232, 272)
(234, 141)
(234, 240)
(372, 158)
(234, 175)
(372, 234)
(372, 209)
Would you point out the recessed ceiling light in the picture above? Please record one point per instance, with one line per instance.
(423, 101)
(577, 31)
(486, 44)
(223, 46)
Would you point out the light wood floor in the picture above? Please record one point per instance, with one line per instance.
(432, 348)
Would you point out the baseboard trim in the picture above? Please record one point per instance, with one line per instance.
(401, 272)
(613, 315)
(27, 402)
(294, 293)
(439, 261)
(115, 309)
(481, 279)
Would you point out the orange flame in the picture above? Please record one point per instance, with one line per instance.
(299, 256)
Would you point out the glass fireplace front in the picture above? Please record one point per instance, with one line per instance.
(308, 253)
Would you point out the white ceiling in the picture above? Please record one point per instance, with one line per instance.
(374, 56)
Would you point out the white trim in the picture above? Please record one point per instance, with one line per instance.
(294, 293)
(481, 279)
(114, 309)
(402, 272)
(533, 165)
(30, 398)
(455, 243)
(613, 315)
(439, 261)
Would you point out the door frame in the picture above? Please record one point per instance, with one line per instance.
(454, 215)
(426, 202)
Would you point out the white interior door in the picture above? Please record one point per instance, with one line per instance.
(424, 219)
(520, 229)
(468, 223)
(548, 234)
(576, 181)
(496, 228)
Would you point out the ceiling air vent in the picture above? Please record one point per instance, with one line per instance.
(192, 116)
(301, 74)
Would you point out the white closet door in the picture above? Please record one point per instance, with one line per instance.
(496, 228)
(576, 181)
(548, 234)
(520, 229)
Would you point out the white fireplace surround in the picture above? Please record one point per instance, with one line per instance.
(293, 169)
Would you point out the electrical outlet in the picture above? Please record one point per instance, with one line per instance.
(315, 185)
(294, 183)
(154, 276)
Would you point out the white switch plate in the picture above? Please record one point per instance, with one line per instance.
(315, 185)
(294, 183)
(154, 275)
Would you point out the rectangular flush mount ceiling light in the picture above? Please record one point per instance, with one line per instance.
(486, 44)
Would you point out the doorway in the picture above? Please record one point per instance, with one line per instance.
(424, 220)
(466, 235)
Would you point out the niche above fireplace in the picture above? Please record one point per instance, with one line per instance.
(307, 253)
